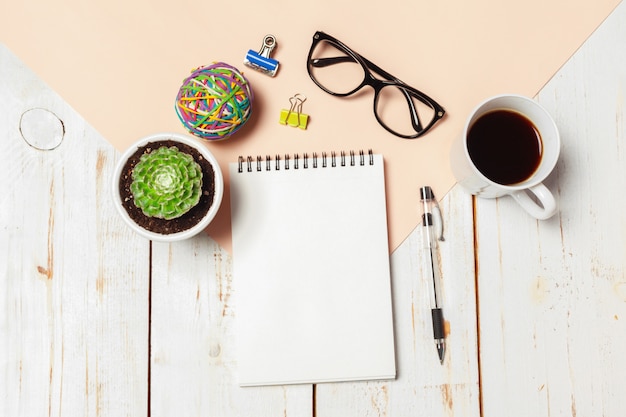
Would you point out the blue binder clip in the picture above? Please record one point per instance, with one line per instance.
(261, 61)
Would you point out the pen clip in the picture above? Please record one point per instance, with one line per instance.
(438, 220)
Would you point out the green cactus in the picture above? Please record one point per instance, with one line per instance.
(167, 183)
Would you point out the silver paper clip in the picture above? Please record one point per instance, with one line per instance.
(294, 116)
(261, 61)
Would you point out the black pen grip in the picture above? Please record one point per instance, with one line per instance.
(438, 329)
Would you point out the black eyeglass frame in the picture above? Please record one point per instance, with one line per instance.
(377, 84)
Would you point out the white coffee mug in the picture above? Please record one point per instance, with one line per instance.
(543, 205)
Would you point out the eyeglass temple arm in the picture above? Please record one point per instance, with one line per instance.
(326, 62)
(415, 119)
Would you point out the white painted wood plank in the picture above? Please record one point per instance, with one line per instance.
(553, 293)
(424, 386)
(73, 278)
(194, 370)
(73, 327)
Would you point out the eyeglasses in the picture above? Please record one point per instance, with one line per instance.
(401, 109)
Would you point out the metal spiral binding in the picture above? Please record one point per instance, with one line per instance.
(344, 159)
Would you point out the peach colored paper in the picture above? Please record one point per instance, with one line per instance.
(120, 64)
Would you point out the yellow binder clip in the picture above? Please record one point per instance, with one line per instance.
(294, 116)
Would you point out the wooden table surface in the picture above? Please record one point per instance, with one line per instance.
(97, 321)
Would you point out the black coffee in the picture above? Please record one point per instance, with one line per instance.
(505, 146)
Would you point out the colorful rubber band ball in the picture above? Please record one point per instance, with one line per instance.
(214, 102)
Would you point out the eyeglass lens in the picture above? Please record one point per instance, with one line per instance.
(396, 108)
(334, 69)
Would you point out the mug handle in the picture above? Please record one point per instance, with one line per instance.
(548, 204)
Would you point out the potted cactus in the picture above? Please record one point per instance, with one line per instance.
(167, 187)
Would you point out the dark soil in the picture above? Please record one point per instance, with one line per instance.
(187, 220)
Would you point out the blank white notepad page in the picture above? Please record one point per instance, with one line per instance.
(311, 271)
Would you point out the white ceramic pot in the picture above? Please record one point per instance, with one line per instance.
(184, 234)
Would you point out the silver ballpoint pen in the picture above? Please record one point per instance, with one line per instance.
(430, 216)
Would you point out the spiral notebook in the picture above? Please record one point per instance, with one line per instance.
(311, 275)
